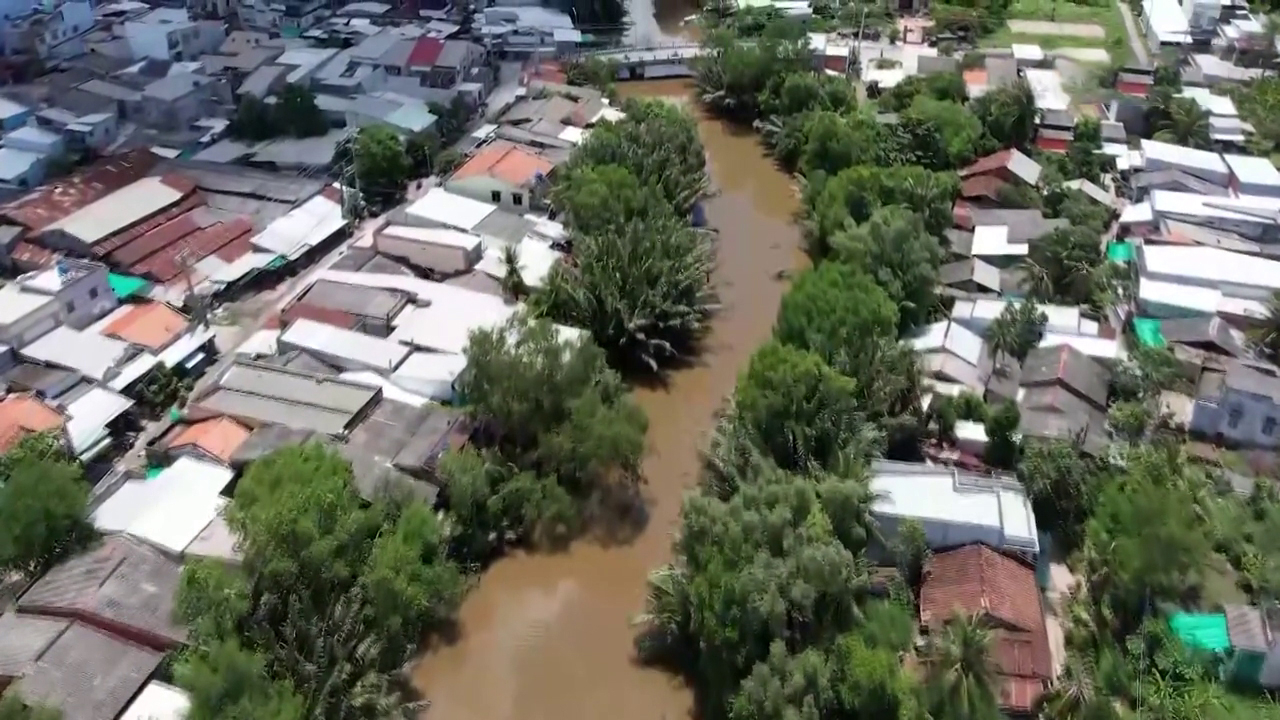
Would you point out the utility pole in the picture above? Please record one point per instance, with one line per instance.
(857, 48)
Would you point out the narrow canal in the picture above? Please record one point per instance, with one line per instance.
(548, 637)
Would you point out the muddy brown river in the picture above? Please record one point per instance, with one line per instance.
(548, 636)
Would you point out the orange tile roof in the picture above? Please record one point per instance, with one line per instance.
(24, 413)
(220, 437)
(150, 324)
(507, 162)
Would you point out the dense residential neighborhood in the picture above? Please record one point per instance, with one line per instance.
(332, 333)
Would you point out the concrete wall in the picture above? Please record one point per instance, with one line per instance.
(1211, 419)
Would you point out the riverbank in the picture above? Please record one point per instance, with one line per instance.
(548, 636)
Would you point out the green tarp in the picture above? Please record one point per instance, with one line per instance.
(126, 286)
(1202, 631)
(1120, 251)
(1148, 332)
(154, 471)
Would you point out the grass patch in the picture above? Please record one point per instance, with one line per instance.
(1220, 584)
(1108, 17)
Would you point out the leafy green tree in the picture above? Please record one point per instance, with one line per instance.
(961, 681)
(1184, 123)
(296, 112)
(802, 92)
(1063, 485)
(732, 77)
(1016, 331)
(332, 598)
(1080, 209)
(1075, 696)
(43, 512)
(596, 199)
(422, 149)
(592, 72)
(902, 257)
(947, 87)
(834, 142)
(13, 708)
(1084, 158)
(558, 427)
(253, 120)
(381, 165)
(1267, 335)
(1002, 437)
(228, 682)
(163, 388)
(1008, 114)
(1061, 265)
(1146, 373)
(957, 134)
(855, 193)
(642, 290)
(658, 144)
(1148, 519)
(801, 412)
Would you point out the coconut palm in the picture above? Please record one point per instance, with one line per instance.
(1074, 696)
(1267, 335)
(513, 285)
(961, 683)
(1002, 336)
(1185, 123)
(643, 291)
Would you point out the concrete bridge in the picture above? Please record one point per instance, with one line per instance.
(651, 63)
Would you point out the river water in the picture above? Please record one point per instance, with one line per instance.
(548, 636)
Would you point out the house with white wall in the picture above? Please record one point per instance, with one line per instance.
(171, 34)
(1239, 406)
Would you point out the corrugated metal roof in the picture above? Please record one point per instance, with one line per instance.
(120, 581)
(23, 639)
(442, 207)
(119, 210)
(60, 198)
(87, 674)
(355, 299)
(90, 414)
(88, 353)
(263, 393)
(333, 342)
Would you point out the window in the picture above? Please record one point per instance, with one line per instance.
(1234, 418)
(71, 307)
(1269, 427)
(496, 196)
(93, 293)
(517, 199)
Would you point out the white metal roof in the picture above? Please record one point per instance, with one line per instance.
(1095, 347)
(1253, 170)
(365, 350)
(947, 336)
(1028, 53)
(158, 701)
(1137, 214)
(933, 493)
(993, 240)
(1046, 86)
(979, 313)
(536, 258)
(170, 509)
(445, 208)
(90, 354)
(391, 390)
(1168, 21)
(1245, 208)
(302, 228)
(89, 415)
(1208, 265)
(1200, 163)
(430, 374)
(16, 303)
(1219, 105)
(262, 342)
(119, 210)
(435, 236)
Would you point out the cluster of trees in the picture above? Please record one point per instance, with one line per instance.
(294, 113)
(640, 276)
(330, 602)
(43, 500)
(767, 606)
(381, 161)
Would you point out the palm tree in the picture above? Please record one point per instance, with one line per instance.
(1002, 336)
(513, 285)
(961, 683)
(1267, 336)
(1074, 696)
(1036, 279)
(1185, 124)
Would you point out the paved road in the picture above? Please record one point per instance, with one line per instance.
(1136, 39)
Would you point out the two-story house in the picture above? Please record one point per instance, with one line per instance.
(171, 34)
(1239, 406)
(74, 293)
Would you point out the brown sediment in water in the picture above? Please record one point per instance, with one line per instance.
(549, 636)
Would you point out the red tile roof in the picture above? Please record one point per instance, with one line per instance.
(1052, 144)
(220, 437)
(328, 316)
(507, 162)
(425, 52)
(167, 264)
(977, 580)
(994, 161)
(235, 249)
(152, 325)
(987, 186)
(29, 256)
(109, 246)
(55, 201)
(22, 414)
(1133, 89)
